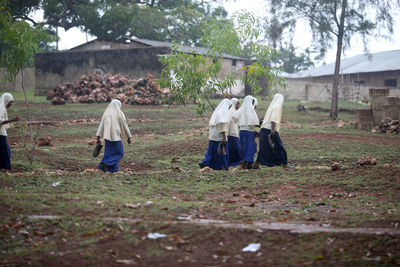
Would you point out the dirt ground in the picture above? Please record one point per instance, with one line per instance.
(61, 211)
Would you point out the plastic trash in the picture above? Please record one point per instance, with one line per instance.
(155, 235)
(253, 247)
(56, 184)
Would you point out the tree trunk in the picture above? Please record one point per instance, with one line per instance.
(247, 87)
(335, 88)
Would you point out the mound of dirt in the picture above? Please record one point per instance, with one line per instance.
(95, 88)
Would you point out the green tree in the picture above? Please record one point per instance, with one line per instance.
(336, 21)
(19, 42)
(195, 76)
(163, 20)
(292, 62)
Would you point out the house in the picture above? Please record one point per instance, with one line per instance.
(134, 58)
(357, 75)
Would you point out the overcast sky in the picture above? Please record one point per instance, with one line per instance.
(302, 38)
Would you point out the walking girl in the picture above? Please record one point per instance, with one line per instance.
(113, 127)
(272, 153)
(247, 119)
(235, 149)
(217, 154)
(6, 101)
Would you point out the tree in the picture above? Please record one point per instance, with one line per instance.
(292, 62)
(19, 42)
(337, 21)
(195, 77)
(163, 20)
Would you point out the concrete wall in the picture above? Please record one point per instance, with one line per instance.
(308, 90)
(54, 68)
(352, 87)
(16, 86)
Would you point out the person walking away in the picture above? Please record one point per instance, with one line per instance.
(113, 127)
(272, 153)
(6, 100)
(235, 149)
(217, 154)
(247, 119)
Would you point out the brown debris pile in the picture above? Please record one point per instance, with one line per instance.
(388, 126)
(44, 141)
(95, 88)
(367, 161)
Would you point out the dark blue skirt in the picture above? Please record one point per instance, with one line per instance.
(5, 153)
(235, 151)
(248, 144)
(271, 156)
(113, 153)
(213, 160)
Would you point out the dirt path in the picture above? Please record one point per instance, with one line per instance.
(293, 227)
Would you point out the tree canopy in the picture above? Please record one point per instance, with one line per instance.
(164, 20)
(196, 76)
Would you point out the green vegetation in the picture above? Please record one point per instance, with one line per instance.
(165, 138)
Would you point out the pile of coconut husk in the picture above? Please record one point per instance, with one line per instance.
(95, 88)
(388, 126)
(367, 161)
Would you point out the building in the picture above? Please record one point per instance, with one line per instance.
(357, 75)
(134, 58)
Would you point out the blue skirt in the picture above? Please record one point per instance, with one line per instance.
(213, 160)
(235, 151)
(113, 153)
(271, 156)
(249, 146)
(5, 153)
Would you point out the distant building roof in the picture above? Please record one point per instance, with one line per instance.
(184, 48)
(376, 62)
(187, 49)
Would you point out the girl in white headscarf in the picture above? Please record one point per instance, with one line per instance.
(6, 101)
(235, 149)
(272, 152)
(216, 157)
(113, 127)
(248, 120)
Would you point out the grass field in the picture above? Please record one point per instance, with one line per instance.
(95, 218)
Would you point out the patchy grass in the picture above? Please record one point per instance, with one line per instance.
(167, 137)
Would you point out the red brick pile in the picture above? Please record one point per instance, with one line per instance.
(95, 88)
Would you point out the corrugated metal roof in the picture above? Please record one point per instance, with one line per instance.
(376, 62)
(187, 49)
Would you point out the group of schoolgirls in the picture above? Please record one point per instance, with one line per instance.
(229, 146)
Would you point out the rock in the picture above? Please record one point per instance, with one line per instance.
(335, 166)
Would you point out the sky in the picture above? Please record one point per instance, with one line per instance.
(302, 37)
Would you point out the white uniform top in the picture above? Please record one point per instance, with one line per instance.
(4, 100)
(274, 113)
(250, 128)
(215, 132)
(113, 124)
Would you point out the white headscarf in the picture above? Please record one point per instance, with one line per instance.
(233, 108)
(246, 115)
(4, 100)
(113, 124)
(274, 112)
(221, 113)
